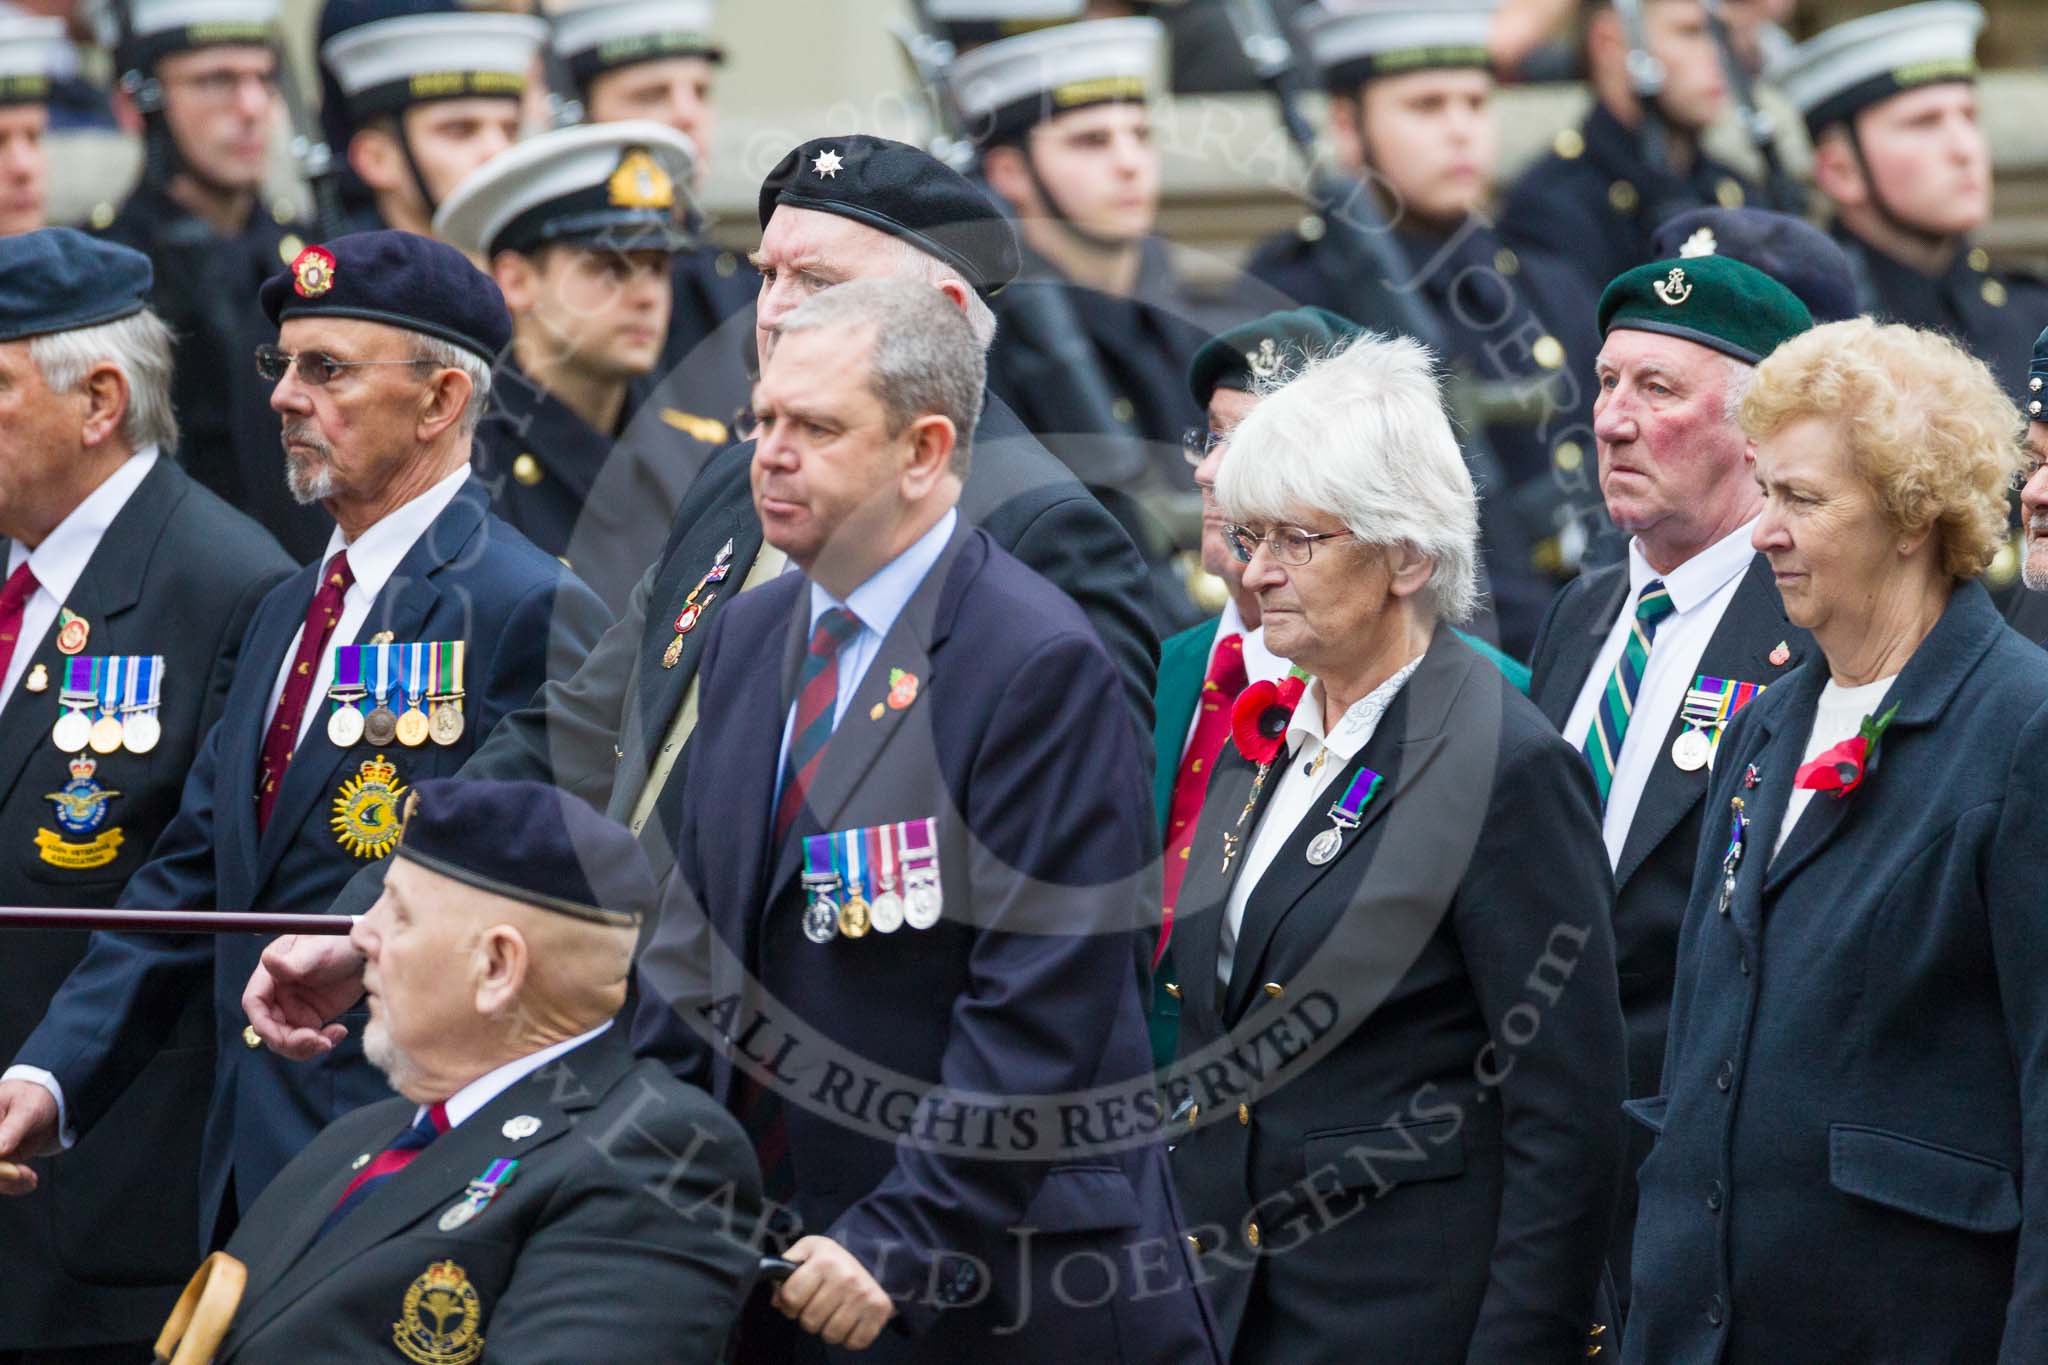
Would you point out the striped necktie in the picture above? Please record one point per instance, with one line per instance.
(817, 697)
(387, 1163)
(1618, 701)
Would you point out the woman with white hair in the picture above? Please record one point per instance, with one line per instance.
(1400, 1073)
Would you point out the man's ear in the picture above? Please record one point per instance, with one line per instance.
(518, 278)
(932, 441)
(502, 960)
(373, 154)
(106, 394)
(1347, 130)
(1003, 168)
(957, 290)
(1837, 171)
(445, 399)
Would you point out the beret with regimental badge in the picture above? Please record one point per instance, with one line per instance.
(157, 28)
(1006, 88)
(609, 185)
(1843, 70)
(2034, 402)
(1267, 350)
(1355, 41)
(60, 279)
(388, 65)
(1714, 301)
(397, 278)
(529, 842)
(597, 36)
(30, 49)
(1790, 250)
(895, 188)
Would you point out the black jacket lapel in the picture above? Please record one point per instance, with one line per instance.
(1576, 638)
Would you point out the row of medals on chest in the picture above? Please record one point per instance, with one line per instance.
(440, 719)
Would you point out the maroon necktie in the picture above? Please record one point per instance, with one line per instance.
(817, 696)
(21, 585)
(1212, 727)
(283, 735)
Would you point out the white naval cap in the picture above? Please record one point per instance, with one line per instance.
(32, 50)
(597, 36)
(156, 28)
(615, 185)
(1355, 41)
(1843, 70)
(1008, 87)
(391, 64)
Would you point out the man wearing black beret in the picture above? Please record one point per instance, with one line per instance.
(834, 209)
(114, 561)
(426, 621)
(529, 1194)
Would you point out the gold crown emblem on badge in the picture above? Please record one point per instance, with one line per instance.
(444, 1275)
(641, 183)
(83, 767)
(313, 272)
(1673, 289)
(379, 770)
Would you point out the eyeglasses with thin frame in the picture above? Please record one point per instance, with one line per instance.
(1289, 545)
(1196, 443)
(316, 368)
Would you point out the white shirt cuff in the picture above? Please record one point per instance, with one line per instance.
(65, 1137)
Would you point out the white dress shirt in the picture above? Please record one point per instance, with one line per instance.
(1302, 784)
(1701, 589)
(877, 603)
(62, 557)
(372, 557)
(492, 1084)
(1837, 716)
(1260, 664)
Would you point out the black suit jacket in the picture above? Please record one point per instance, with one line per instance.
(177, 573)
(1028, 991)
(1654, 875)
(598, 732)
(1400, 1130)
(621, 1236)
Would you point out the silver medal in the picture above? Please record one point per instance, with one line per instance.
(72, 731)
(821, 920)
(922, 901)
(458, 1214)
(142, 732)
(1325, 846)
(345, 726)
(1691, 750)
(885, 913)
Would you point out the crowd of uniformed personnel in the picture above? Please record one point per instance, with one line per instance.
(717, 684)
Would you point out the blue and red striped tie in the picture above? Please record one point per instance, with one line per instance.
(387, 1163)
(817, 697)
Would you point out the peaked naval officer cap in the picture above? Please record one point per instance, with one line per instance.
(1844, 70)
(2034, 402)
(389, 65)
(531, 843)
(157, 28)
(907, 193)
(1716, 302)
(1006, 88)
(1266, 350)
(603, 35)
(397, 278)
(1355, 41)
(30, 50)
(60, 279)
(1789, 249)
(610, 185)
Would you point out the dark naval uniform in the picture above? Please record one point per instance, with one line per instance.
(1595, 197)
(1505, 314)
(711, 285)
(206, 292)
(1142, 345)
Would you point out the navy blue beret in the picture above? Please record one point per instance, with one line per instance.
(57, 279)
(909, 194)
(1266, 349)
(1790, 250)
(394, 277)
(531, 842)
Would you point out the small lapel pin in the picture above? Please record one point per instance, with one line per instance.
(360, 1162)
(524, 1126)
(1749, 777)
(876, 711)
(382, 637)
(1781, 655)
(38, 679)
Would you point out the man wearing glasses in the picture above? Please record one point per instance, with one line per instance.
(201, 77)
(381, 371)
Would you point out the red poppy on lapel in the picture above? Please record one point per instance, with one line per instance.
(1842, 768)
(1258, 719)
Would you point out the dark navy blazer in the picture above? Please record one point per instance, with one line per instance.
(470, 577)
(1854, 1129)
(1019, 746)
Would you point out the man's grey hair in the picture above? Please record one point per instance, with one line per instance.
(140, 347)
(434, 353)
(981, 319)
(1741, 374)
(1361, 434)
(924, 357)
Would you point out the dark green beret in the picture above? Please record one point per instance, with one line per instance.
(1265, 349)
(2035, 400)
(1716, 301)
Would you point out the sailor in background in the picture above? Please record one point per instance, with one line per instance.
(30, 50)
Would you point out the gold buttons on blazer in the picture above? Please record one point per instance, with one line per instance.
(1244, 1115)
(1251, 1234)
(249, 1038)
(527, 470)
(1275, 989)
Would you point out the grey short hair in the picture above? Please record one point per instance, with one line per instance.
(434, 353)
(140, 347)
(981, 319)
(924, 358)
(1741, 375)
(1362, 434)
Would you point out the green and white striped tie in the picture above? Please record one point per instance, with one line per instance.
(1618, 701)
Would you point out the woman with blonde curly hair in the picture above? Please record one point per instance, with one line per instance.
(1853, 1138)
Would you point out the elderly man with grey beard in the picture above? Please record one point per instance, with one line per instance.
(426, 621)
